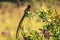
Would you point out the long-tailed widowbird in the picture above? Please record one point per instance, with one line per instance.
(19, 25)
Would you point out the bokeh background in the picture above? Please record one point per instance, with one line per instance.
(11, 12)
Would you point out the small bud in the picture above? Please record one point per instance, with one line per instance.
(5, 33)
(42, 31)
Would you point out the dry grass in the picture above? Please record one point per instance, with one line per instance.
(10, 16)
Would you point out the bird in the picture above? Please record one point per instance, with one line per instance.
(19, 25)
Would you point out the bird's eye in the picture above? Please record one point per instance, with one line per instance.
(28, 7)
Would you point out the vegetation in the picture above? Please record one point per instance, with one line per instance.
(41, 23)
(50, 30)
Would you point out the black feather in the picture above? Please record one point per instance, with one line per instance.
(19, 26)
